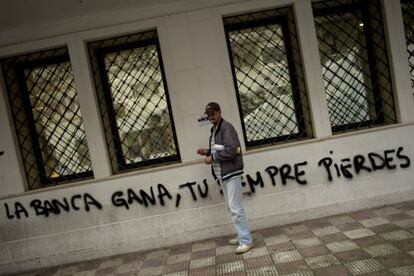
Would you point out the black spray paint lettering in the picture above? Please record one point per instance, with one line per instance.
(389, 159)
(118, 198)
(162, 191)
(272, 171)
(359, 161)
(286, 171)
(54, 206)
(143, 198)
(1, 153)
(299, 173)
(204, 193)
(177, 200)
(18, 209)
(400, 156)
(190, 186)
(253, 183)
(345, 165)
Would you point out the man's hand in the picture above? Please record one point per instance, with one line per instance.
(208, 160)
(202, 151)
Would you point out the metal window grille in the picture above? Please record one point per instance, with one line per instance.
(133, 99)
(408, 17)
(47, 118)
(354, 63)
(268, 77)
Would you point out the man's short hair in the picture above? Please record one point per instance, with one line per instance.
(212, 106)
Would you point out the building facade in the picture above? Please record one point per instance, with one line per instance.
(102, 110)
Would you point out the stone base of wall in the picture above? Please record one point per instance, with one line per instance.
(211, 232)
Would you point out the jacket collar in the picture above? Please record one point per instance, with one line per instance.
(218, 126)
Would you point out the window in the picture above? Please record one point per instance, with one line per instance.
(354, 63)
(408, 17)
(268, 76)
(133, 100)
(47, 118)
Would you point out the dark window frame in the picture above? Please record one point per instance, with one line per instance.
(281, 20)
(120, 162)
(19, 68)
(410, 38)
(363, 7)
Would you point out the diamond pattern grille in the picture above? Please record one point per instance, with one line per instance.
(48, 121)
(268, 76)
(354, 63)
(408, 17)
(134, 101)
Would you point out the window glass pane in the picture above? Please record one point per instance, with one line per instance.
(58, 119)
(133, 99)
(344, 63)
(267, 71)
(263, 82)
(408, 16)
(140, 104)
(48, 122)
(354, 63)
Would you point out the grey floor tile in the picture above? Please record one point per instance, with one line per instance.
(285, 257)
(359, 233)
(374, 221)
(264, 270)
(368, 242)
(322, 261)
(342, 246)
(398, 235)
(404, 270)
(364, 266)
(326, 231)
(382, 250)
(230, 267)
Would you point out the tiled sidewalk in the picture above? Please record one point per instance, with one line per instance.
(370, 242)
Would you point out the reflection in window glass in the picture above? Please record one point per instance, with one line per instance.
(134, 101)
(47, 118)
(354, 64)
(342, 45)
(57, 118)
(267, 75)
(408, 16)
(140, 104)
(264, 83)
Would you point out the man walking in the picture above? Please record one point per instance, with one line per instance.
(224, 155)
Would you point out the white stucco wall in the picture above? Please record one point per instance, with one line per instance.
(197, 71)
